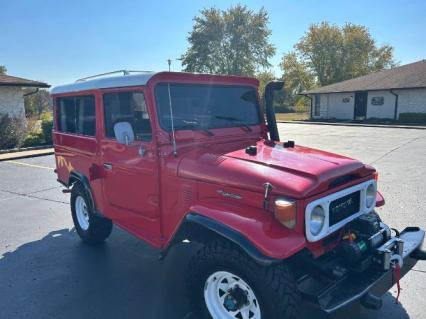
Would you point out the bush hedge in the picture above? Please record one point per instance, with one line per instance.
(46, 126)
(412, 117)
(12, 132)
(291, 109)
(33, 140)
(283, 109)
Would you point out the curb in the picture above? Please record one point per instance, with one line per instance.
(26, 153)
(412, 127)
(24, 149)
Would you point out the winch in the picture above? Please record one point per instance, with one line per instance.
(367, 238)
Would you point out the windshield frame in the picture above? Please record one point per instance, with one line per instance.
(234, 124)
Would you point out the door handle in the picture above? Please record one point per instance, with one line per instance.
(108, 166)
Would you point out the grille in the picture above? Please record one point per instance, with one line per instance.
(344, 207)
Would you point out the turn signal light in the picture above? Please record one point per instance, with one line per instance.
(285, 212)
(376, 176)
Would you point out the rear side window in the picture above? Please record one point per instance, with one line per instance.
(127, 107)
(76, 115)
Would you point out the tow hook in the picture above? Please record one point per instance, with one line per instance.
(419, 254)
(396, 259)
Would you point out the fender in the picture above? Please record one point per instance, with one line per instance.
(232, 235)
(76, 176)
(254, 230)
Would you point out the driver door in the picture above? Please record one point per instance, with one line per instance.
(130, 178)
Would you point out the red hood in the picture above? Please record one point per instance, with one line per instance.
(296, 172)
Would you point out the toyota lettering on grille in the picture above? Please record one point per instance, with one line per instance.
(344, 207)
(346, 204)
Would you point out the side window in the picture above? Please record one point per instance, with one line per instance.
(85, 113)
(77, 115)
(66, 115)
(127, 107)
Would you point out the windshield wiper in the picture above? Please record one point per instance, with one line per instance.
(239, 122)
(194, 124)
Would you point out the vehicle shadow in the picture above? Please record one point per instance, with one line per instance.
(60, 277)
(390, 310)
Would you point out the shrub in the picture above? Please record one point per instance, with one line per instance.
(47, 126)
(302, 108)
(412, 117)
(12, 132)
(33, 125)
(33, 140)
(283, 109)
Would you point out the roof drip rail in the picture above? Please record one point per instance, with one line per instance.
(125, 72)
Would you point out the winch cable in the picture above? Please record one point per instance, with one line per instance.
(397, 263)
(397, 272)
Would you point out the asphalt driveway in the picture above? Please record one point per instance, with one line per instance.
(46, 272)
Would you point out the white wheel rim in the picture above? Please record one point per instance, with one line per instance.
(219, 291)
(82, 213)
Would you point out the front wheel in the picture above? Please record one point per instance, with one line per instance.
(224, 283)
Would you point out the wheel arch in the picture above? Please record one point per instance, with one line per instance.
(78, 177)
(199, 228)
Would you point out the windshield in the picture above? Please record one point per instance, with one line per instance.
(207, 106)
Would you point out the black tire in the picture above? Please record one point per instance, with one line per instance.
(274, 286)
(99, 227)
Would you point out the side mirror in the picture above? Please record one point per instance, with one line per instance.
(124, 133)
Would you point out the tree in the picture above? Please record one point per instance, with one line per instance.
(297, 78)
(37, 103)
(3, 70)
(235, 41)
(334, 53)
(264, 77)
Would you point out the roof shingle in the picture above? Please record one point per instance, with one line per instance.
(407, 76)
(8, 80)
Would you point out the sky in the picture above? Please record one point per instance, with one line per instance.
(59, 41)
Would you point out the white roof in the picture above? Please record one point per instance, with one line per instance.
(105, 82)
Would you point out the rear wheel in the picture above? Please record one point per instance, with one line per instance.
(92, 229)
(223, 282)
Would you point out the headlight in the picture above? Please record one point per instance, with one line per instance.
(317, 220)
(370, 195)
(285, 212)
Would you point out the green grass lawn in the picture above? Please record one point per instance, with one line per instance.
(292, 116)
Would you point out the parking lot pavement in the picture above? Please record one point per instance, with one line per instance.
(46, 272)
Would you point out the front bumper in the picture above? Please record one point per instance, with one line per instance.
(347, 294)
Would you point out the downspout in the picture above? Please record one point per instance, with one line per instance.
(311, 99)
(395, 116)
(31, 93)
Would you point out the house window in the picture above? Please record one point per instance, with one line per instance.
(127, 107)
(317, 105)
(76, 115)
(377, 100)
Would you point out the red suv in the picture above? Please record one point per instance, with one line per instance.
(177, 156)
